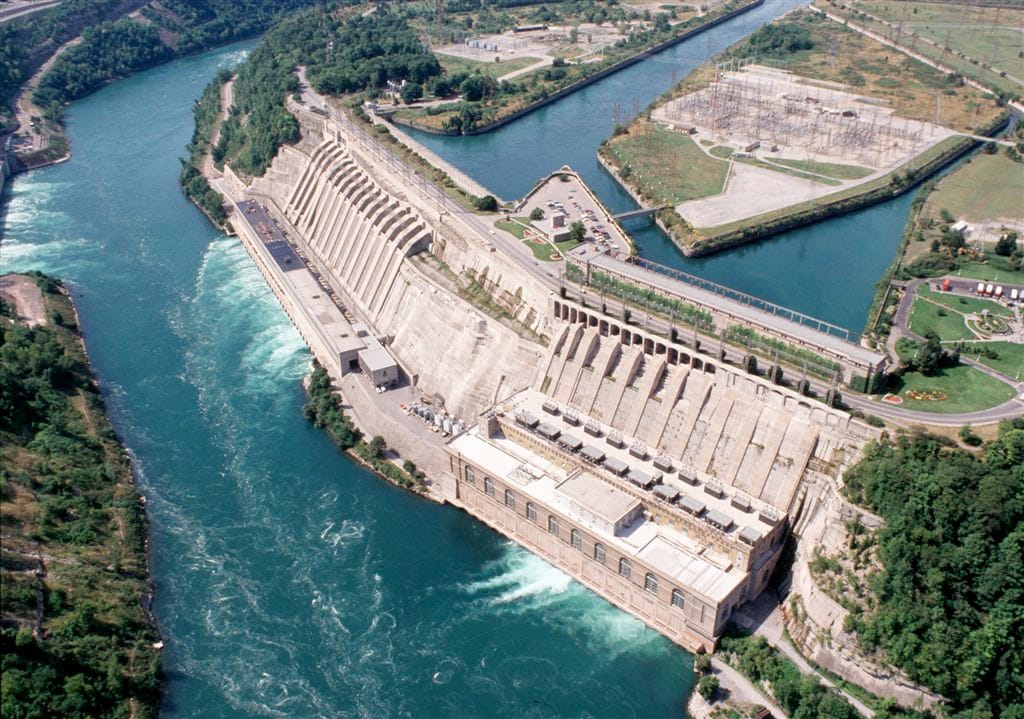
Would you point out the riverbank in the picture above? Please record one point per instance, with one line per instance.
(77, 587)
(502, 120)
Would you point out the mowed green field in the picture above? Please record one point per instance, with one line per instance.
(989, 34)
(989, 187)
(964, 305)
(453, 65)
(655, 159)
(946, 323)
(827, 169)
(1009, 358)
(997, 269)
(966, 388)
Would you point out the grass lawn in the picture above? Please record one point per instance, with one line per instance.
(1010, 359)
(997, 269)
(925, 317)
(756, 162)
(514, 227)
(541, 250)
(966, 389)
(963, 304)
(828, 169)
(453, 65)
(655, 158)
(989, 187)
(991, 35)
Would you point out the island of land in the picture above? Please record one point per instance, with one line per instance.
(829, 118)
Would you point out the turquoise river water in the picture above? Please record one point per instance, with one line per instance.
(291, 583)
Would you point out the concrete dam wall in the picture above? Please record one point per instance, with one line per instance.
(737, 430)
(362, 234)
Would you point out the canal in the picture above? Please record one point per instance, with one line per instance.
(827, 270)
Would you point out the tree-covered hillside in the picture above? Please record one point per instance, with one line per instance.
(74, 637)
(950, 597)
(366, 51)
(159, 31)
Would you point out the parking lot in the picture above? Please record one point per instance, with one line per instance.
(566, 195)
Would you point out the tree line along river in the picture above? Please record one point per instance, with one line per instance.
(289, 581)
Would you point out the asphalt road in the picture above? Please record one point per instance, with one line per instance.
(548, 273)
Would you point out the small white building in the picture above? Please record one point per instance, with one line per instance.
(962, 227)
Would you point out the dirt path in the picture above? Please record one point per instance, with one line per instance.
(24, 294)
(227, 101)
(25, 108)
(907, 51)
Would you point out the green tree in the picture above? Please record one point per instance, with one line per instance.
(708, 686)
(577, 231)
(929, 356)
(411, 92)
(537, 214)
(487, 203)
(377, 447)
(1007, 244)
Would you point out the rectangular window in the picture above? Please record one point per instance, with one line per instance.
(576, 538)
(600, 555)
(531, 511)
(677, 599)
(651, 583)
(470, 477)
(510, 499)
(488, 487)
(553, 524)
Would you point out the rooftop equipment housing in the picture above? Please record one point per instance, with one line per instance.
(638, 450)
(663, 463)
(666, 492)
(640, 479)
(527, 420)
(616, 466)
(570, 443)
(548, 431)
(719, 520)
(691, 505)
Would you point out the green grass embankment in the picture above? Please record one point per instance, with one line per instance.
(76, 640)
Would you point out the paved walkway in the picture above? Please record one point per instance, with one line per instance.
(764, 617)
(901, 330)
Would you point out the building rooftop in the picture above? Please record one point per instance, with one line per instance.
(668, 551)
(598, 496)
(727, 503)
(376, 358)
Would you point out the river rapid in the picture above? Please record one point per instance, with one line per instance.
(290, 582)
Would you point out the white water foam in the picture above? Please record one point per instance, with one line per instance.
(521, 582)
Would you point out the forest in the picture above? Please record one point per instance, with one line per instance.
(75, 639)
(366, 52)
(949, 606)
(173, 28)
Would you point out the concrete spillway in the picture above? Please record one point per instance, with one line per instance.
(354, 225)
(367, 235)
(716, 420)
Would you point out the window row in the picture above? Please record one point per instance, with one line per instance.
(576, 539)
